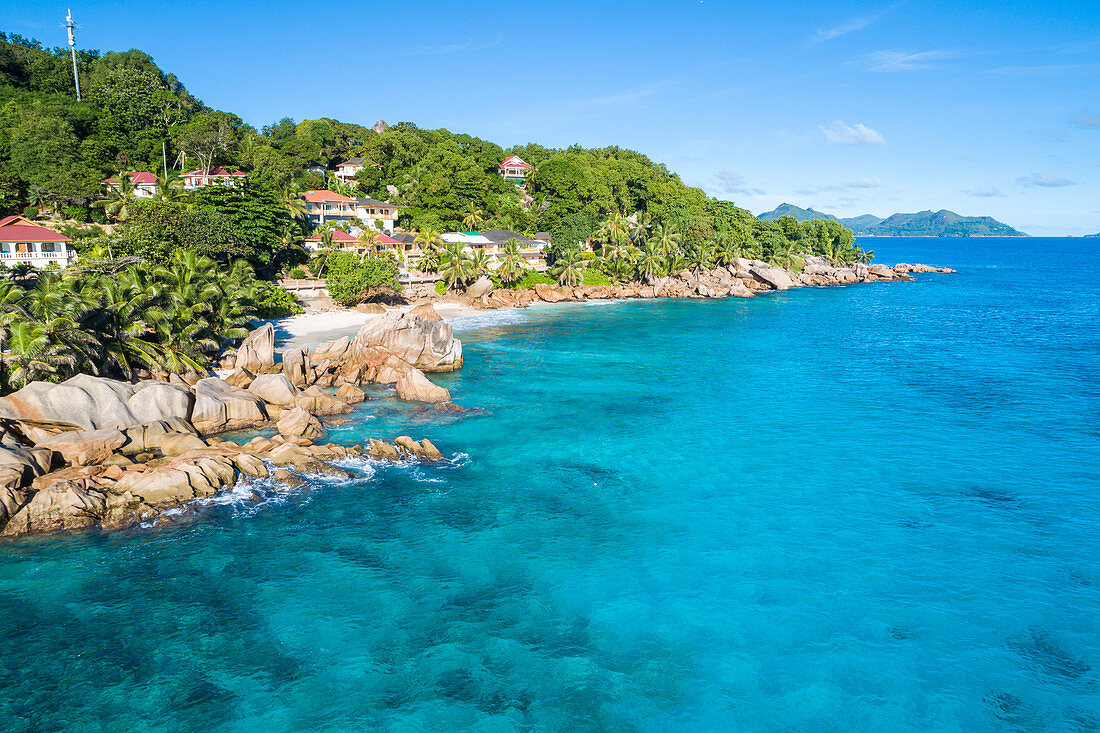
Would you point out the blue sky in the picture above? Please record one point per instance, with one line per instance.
(851, 107)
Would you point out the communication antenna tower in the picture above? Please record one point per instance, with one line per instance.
(71, 26)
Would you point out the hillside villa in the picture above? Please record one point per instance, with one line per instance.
(217, 177)
(346, 171)
(514, 169)
(21, 240)
(371, 211)
(144, 183)
(322, 206)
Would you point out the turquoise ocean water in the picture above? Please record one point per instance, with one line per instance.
(868, 508)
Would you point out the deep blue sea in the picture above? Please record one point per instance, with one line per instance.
(866, 508)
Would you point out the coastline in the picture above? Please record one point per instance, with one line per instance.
(96, 453)
(311, 328)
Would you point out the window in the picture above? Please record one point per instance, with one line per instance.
(48, 247)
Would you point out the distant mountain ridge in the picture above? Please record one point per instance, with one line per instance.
(942, 223)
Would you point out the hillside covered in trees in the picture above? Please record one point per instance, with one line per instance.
(55, 153)
(942, 223)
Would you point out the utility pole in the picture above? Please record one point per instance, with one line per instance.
(72, 50)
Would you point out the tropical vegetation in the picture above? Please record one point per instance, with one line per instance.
(123, 318)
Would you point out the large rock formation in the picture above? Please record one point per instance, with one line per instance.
(85, 402)
(425, 344)
(414, 386)
(274, 389)
(483, 286)
(298, 422)
(220, 406)
(257, 351)
(85, 447)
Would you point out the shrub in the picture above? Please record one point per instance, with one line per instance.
(531, 278)
(298, 273)
(276, 302)
(30, 212)
(76, 213)
(99, 216)
(350, 280)
(592, 276)
(440, 287)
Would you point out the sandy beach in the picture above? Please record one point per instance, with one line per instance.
(307, 329)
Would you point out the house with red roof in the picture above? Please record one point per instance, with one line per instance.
(322, 206)
(216, 177)
(349, 243)
(144, 183)
(514, 169)
(21, 240)
(342, 239)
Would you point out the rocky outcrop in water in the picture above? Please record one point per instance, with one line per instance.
(99, 453)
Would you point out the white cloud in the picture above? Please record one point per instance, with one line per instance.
(734, 183)
(1042, 180)
(840, 133)
(985, 193)
(852, 25)
(894, 61)
(846, 186)
(843, 29)
(1087, 119)
(619, 98)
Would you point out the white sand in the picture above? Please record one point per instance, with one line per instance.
(307, 329)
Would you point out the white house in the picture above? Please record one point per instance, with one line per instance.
(144, 183)
(24, 241)
(217, 177)
(346, 171)
(514, 169)
(373, 210)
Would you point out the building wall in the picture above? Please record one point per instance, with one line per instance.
(37, 254)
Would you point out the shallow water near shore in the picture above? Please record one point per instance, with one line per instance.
(862, 508)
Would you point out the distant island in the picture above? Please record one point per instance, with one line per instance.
(942, 223)
(1092, 236)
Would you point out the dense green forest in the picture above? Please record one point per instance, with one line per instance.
(55, 153)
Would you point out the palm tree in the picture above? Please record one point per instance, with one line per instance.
(293, 203)
(11, 312)
(615, 228)
(119, 321)
(650, 262)
(699, 256)
(119, 196)
(59, 305)
(367, 238)
(181, 323)
(171, 188)
(328, 245)
(511, 265)
(455, 264)
(412, 181)
(567, 267)
(28, 352)
(22, 271)
(667, 239)
(725, 250)
(473, 220)
(785, 253)
(479, 264)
